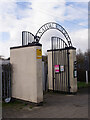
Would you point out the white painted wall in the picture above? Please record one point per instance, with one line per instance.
(27, 74)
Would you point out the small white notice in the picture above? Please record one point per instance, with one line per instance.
(61, 68)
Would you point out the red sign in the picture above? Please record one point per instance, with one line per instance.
(56, 68)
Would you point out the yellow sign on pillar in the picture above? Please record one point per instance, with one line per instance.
(39, 53)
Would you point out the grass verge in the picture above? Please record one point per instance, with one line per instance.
(83, 84)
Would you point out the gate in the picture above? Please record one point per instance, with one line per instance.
(60, 65)
(59, 77)
(6, 81)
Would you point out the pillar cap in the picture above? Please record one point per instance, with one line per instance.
(29, 45)
(66, 48)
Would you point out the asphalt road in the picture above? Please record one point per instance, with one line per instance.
(55, 105)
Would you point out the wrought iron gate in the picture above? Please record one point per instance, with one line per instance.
(60, 65)
(6, 81)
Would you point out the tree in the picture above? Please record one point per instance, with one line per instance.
(80, 66)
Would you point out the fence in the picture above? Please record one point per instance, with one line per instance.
(6, 80)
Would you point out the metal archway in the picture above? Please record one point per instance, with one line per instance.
(52, 25)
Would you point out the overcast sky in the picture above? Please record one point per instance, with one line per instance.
(17, 16)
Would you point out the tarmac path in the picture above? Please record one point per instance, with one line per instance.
(55, 105)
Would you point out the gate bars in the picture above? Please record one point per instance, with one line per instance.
(27, 37)
(60, 62)
(6, 81)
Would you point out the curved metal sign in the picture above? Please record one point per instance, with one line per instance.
(52, 25)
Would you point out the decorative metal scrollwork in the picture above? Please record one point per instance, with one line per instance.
(52, 25)
(27, 37)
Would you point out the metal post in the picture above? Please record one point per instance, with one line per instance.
(86, 77)
(87, 67)
(0, 80)
(9, 82)
(68, 72)
(22, 38)
(0, 89)
(52, 65)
